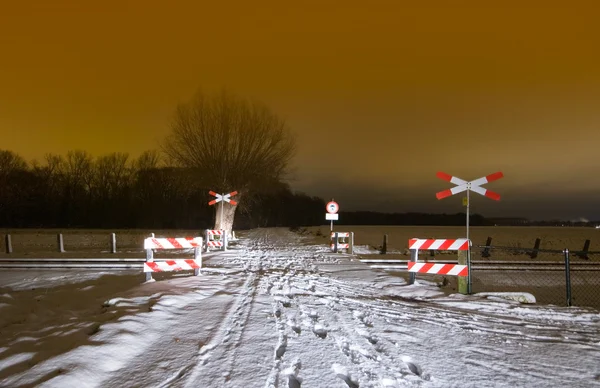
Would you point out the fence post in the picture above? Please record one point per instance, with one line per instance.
(486, 250)
(351, 244)
(198, 256)
(61, 245)
(584, 252)
(149, 258)
(536, 248)
(462, 280)
(8, 242)
(384, 246)
(568, 277)
(113, 243)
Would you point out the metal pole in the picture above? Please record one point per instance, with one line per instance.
(222, 206)
(468, 205)
(335, 243)
(469, 242)
(331, 227)
(568, 277)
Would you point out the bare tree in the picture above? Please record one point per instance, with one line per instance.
(10, 162)
(230, 144)
(147, 160)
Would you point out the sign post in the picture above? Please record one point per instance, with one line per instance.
(222, 198)
(468, 186)
(332, 208)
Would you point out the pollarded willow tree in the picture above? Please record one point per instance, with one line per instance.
(230, 144)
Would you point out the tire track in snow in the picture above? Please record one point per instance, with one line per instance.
(223, 346)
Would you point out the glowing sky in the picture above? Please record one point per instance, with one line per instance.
(381, 94)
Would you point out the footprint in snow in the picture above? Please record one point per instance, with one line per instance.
(294, 326)
(320, 331)
(413, 367)
(365, 334)
(281, 347)
(292, 372)
(342, 373)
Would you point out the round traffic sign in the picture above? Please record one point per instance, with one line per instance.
(332, 207)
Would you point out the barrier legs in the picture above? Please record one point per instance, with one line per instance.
(198, 256)
(414, 256)
(149, 258)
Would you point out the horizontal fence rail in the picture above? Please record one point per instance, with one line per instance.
(493, 265)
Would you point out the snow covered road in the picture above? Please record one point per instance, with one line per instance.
(278, 311)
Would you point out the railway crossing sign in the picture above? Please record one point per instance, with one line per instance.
(468, 186)
(474, 185)
(332, 207)
(223, 197)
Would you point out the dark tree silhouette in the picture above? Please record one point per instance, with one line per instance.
(230, 144)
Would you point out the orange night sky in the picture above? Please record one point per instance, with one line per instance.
(381, 94)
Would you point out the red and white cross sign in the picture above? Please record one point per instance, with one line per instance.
(474, 185)
(223, 197)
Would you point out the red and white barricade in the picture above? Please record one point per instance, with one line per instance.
(458, 244)
(342, 240)
(166, 265)
(216, 238)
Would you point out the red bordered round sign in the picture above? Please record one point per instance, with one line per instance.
(332, 207)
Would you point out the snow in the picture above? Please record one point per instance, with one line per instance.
(277, 311)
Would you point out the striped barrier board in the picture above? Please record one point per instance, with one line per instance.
(458, 244)
(211, 242)
(152, 243)
(440, 269)
(341, 246)
(340, 234)
(172, 243)
(172, 265)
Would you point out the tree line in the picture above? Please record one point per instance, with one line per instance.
(78, 190)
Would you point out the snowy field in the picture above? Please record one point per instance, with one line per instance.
(279, 311)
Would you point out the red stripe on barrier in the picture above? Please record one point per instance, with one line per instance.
(464, 246)
(153, 266)
(192, 263)
(427, 244)
(157, 244)
(175, 243)
(173, 264)
(445, 245)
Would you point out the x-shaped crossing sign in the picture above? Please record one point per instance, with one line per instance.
(223, 197)
(474, 185)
